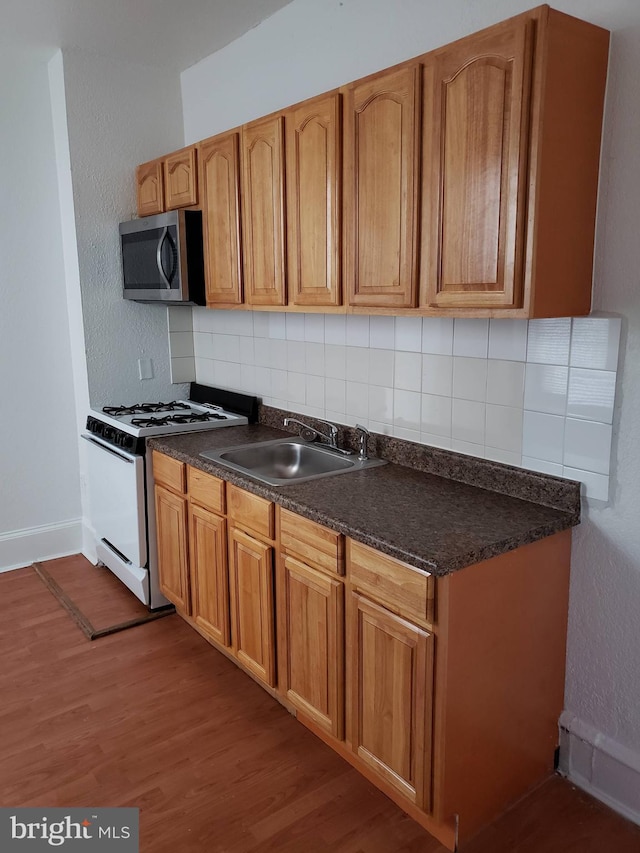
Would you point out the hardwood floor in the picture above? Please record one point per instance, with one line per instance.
(155, 718)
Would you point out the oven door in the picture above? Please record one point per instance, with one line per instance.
(118, 512)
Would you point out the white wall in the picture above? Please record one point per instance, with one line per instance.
(309, 47)
(39, 484)
(119, 114)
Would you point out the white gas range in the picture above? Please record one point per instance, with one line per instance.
(120, 476)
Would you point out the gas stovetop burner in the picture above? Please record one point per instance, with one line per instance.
(145, 409)
(191, 418)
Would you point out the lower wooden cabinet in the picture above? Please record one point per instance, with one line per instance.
(311, 617)
(392, 695)
(442, 691)
(173, 554)
(252, 604)
(209, 574)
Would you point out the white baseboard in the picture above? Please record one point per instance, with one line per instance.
(601, 766)
(19, 548)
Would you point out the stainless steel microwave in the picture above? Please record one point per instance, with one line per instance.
(162, 259)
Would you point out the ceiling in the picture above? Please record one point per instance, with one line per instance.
(171, 33)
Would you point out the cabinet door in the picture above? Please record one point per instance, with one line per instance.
(381, 176)
(173, 555)
(150, 188)
(476, 110)
(209, 573)
(181, 179)
(392, 682)
(252, 608)
(220, 195)
(263, 211)
(312, 610)
(313, 137)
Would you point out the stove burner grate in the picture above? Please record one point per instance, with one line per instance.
(144, 408)
(190, 418)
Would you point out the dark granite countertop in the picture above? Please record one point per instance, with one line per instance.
(436, 524)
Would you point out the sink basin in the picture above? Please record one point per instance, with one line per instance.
(287, 460)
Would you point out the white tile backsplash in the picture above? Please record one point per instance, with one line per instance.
(409, 334)
(471, 338)
(591, 394)
(437, 374)
(382, 331)
(505, 382)
(406, 409)
(508, 339)
(587, 445)
(470, 378)
(408, 371)
(545, 388)
(295, 327)
(357, 366)
(437, 335)
(548, 341)
(468, 420)
(543, 436)
(595, 342)
(538, 393)
(357, 330)
(335, 329)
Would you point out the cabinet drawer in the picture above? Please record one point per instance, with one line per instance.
(169, 472)
(399, 587)
(250, 511)
(317, 546)
(206, 490)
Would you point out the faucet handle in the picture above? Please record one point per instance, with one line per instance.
(362, 438)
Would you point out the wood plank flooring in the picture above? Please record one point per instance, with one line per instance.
(155, 718)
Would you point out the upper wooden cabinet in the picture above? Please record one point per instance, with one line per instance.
(219, 168)
(263, 211)
(381, 151)
(476, 111)
(167, 183)
(460, 183)
(150, 188)
(181, 179)
(313, 166)
(512, 121)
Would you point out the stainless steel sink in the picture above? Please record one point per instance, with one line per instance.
(288, 460)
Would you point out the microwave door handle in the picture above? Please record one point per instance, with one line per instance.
(163, 237)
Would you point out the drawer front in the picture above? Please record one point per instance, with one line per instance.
(317, 546)
(397, 586)
(169, 472)
(206, 490)
(250, 511)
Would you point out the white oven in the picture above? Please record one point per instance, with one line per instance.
(120, 476)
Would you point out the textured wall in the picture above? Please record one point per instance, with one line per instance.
(119, 115)
(38, 469)
(309, 47)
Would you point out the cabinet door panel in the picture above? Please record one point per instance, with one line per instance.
(392, 674)
(263, 211)
(252, 606)
(381, 171)
(313, 136)
(476, 113)
(209, 575)
(150, 188)
(220, 192)
(314, 614)
(180, 179)
(173, 555)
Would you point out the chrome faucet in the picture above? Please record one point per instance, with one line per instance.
(309, 433)
(363, 435)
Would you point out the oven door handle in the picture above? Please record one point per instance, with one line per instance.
(111, 450)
